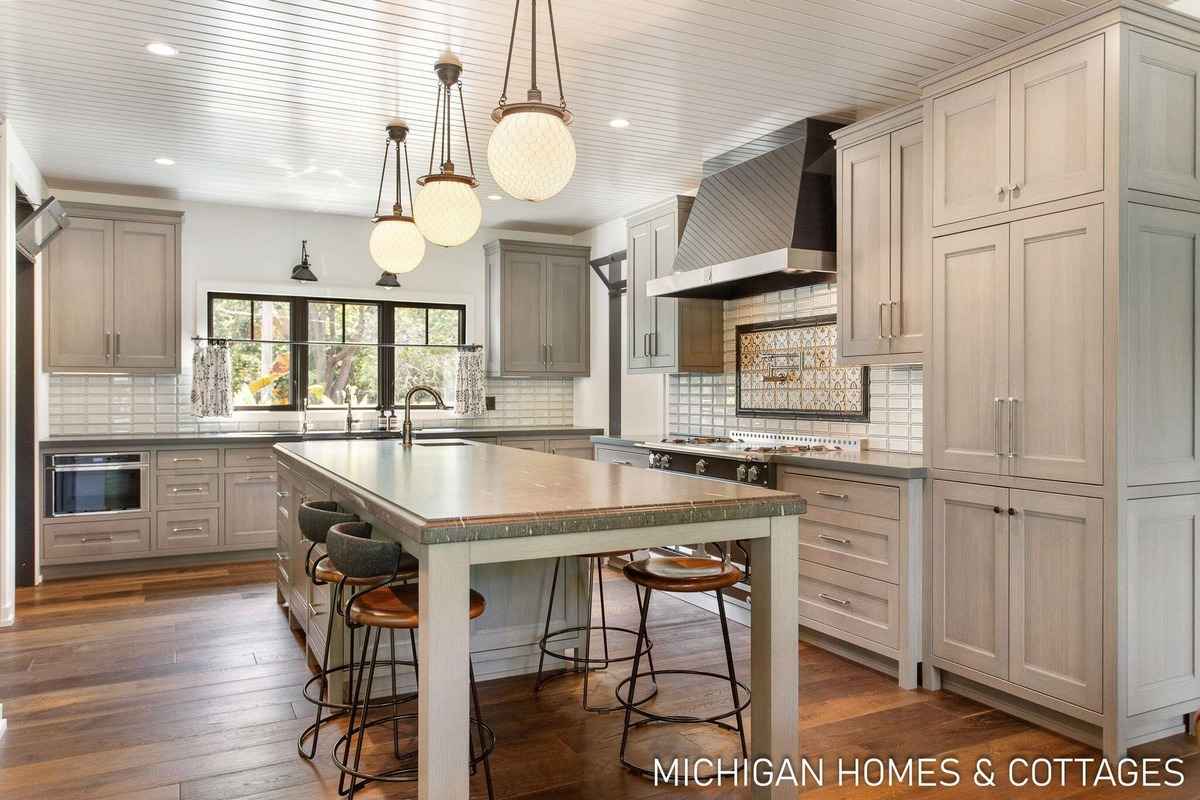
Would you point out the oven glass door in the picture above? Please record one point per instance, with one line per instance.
(96, 490)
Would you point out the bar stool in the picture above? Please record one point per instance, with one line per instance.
(315, 518)
(682, 575)
(586, 662)
(385, 605)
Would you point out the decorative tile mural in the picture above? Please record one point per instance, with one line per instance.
(788, 368)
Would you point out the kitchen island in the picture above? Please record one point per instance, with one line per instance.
(454, 504)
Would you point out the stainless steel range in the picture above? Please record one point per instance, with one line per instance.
(742, 456)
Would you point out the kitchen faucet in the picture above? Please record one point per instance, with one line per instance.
(349, 418)
(407, 429)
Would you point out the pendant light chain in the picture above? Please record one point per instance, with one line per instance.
(562, 97)
(382, 175)
(512, 38)
(463, 107)
(408, 169)
(437, 115)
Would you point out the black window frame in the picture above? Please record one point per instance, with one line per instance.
(298, 309)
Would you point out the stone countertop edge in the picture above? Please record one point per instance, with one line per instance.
(250, 437)
(624, 440)
(448, 531)
(841, 463)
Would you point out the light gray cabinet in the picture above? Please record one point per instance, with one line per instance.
(111, 292)
(250, 509)
(538, 304)
(666, 334)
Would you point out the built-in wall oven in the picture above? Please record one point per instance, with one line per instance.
(96, 483)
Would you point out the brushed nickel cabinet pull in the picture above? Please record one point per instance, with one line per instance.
(187, 489)
(117, 344)
(92, 539)
(997, 413)
(882, 306)
(834, 495)
(833, 599)
(893, 315)
(549, 355)
(1012, 427)
(834, 539)
(107, 345)
(625, 463)
(187, 460)
(259, 458)
(280, 494)
(192, 529)
(281, 557)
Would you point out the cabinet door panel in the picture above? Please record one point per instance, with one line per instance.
(640, 306)
(1057, 545)
(1160, 348)
(78, 296)
(663, 338)
(567, 315)
(1056, 348)
(864, 248)
(1162, 549)
(970, 576)
(250, 509)
(1164, 99)
(909, 315)
(1058, 125)
(145, 296)
(971, 151)
(523, 306)
(970, 345)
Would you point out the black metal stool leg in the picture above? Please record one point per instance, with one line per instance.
(354, 697)
(324, 694)
(637, 660)
(603, 617)
(649, 648)
(362, 734)
(487, 756)
(537, 684)
(395, 695)
(733, 686)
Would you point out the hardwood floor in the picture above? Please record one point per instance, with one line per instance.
(185, 685)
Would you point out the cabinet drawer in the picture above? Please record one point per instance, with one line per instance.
(249, 457)
(615, 455)
(95, 541)
(862, 606)
(188, 459)
(524, 444)
(574, 448)
(857, 543)
(251, 513)
(191, 530)
(860, 498)
(189, 489)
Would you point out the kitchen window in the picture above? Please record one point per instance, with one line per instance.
(335, 359)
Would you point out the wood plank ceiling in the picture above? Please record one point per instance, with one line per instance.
(282, 103)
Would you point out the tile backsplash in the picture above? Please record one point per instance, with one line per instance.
(706, 404)
(115, 404)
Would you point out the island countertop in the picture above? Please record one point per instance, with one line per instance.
(455, 491)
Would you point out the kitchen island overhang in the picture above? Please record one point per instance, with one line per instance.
(454, 504)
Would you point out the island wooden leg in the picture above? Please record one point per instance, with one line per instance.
(774, 652)
(444, 649)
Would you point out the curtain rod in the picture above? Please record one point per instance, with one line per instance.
(291, 343)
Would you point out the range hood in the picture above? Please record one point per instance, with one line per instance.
(764, 219)
(37, 230)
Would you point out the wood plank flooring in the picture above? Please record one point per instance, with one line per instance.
(185, 685)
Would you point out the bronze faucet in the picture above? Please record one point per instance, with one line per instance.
(407, 428)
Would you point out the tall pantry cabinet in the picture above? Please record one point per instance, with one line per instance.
(1063, 375)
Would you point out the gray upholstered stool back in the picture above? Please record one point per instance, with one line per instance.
(356, 555)
(316, 517)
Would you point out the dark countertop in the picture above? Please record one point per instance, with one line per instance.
(864, 462)
(626, 439)
(257, 437)
(458, 492)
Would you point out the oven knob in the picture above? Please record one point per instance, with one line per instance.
(654, 459)
(701, 467)
(741, 472)
(664, 460)
(752, 476)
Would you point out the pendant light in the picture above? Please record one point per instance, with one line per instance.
(302, 271)
(531, 153)
(396, 244)
(446, 208)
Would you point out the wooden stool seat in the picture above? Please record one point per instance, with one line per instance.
(328, 573)
(682, 574)
(399, 607)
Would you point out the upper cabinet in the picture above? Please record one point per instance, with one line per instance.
(883, 263)
(538, 303)
(1164, 97)
(667, 334)
(112, 297)
(1026, 136)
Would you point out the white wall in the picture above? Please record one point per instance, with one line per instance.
(643, 397)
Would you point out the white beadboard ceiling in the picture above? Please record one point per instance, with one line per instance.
(282, 103)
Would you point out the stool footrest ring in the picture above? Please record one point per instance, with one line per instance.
(650, 716)
(403, 773)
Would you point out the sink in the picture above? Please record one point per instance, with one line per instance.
(442, 444)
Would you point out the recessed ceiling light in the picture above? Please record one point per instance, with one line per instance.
(495, 197)
(161, 49)
(165, 162)
(618, 123)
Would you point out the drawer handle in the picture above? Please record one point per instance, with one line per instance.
(281, 557)
(192, 529)
(187, 460)
(258, 458)
(834, 495)
(188, 489)
(91, 539)
(833, 599)
(833, 539)
(624, 463)
(280, 494)
(314, 611)
(258, 480)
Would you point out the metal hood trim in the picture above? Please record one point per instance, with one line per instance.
(785, 261)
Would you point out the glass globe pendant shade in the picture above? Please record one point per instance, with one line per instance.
(446, 210)
(396, 244)
(531, 153)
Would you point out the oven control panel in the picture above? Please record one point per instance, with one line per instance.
(707, 466)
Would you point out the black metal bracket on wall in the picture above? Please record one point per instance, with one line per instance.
(616, 287)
